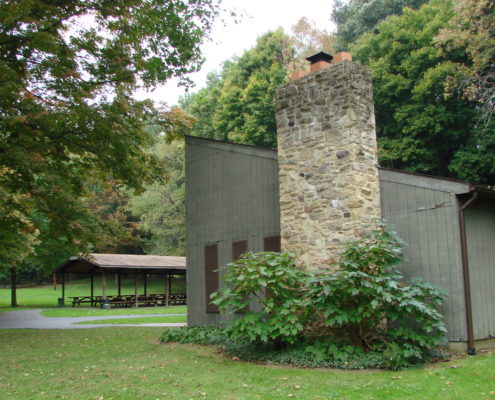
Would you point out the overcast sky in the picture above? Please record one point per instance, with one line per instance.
(259, 17)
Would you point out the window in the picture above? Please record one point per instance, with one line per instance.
(211, 275)
(239, 248)
(272, 243)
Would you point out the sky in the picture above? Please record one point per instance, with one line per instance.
(229, 39)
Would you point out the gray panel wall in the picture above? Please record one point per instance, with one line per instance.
(426, 219)
(480, 232)
(231, 194)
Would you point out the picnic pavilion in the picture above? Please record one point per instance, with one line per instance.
(124, 265)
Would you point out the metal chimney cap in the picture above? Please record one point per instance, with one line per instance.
(321, 56)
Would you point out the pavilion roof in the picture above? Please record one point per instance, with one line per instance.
(128, 263)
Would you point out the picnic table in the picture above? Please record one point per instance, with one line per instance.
(130, 300)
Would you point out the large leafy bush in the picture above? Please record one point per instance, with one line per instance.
(277, 285)
(344, 318)
(366, 303)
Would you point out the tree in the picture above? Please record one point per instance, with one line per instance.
(356, 17)
(237, 103)
(420, 129)
(471, 29)
(305, 40)
(160, 210)
(68, 70)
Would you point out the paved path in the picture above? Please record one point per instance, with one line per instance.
(32, 319)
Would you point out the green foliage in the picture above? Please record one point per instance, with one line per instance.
(366, 304)
(277, 284)
(237, 103)
(419, 128)
(363, 307)
(356, 17)
(67, 115)
(471, 31)
(160, 209)
(207, 335)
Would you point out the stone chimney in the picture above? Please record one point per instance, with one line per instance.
(329, 188)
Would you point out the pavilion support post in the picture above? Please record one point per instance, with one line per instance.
(136, 304)
(103, 284)
(169, 288)
(145, 277)
(92, 279)
(119, 283)
(166, 291)
(63, 287)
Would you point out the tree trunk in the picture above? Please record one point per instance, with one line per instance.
(13, 286)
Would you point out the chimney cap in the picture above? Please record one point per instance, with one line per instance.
(321, 56)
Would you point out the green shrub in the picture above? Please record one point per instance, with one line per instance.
(361, 316)
(278, 284)
(367, 304)
(207, 335)
(301, 355)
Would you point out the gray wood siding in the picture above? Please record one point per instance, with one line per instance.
(231, 195)
(480, 232)
(425, 219)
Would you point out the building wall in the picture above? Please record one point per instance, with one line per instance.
(231, 195)
(480, 232)
(423, 211)
(329, 188)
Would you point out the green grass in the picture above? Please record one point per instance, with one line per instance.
(44, 296)
(129, 363)
(143, 320)
(97, 312)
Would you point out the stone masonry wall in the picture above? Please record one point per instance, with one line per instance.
(329, 188)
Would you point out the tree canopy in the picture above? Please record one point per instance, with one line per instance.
(419, 128)
(68, 70)
(237, 103)
(160, 210)
(472, 30)
(356, 17)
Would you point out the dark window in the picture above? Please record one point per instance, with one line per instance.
(272, 243)
(211, 275)
(239, 248)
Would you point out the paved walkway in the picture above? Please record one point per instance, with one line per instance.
(32, 319)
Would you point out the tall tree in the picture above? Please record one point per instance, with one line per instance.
(160, 210)
(305, 40)
(68, 69)
(356, 17)
(238, 103)
(419, 128)
(472, 30)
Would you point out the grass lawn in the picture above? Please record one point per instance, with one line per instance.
(129, 363)
(143, 320)
(43, 296)
(96, 312)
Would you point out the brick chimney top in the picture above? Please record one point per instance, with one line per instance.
(319, 61)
